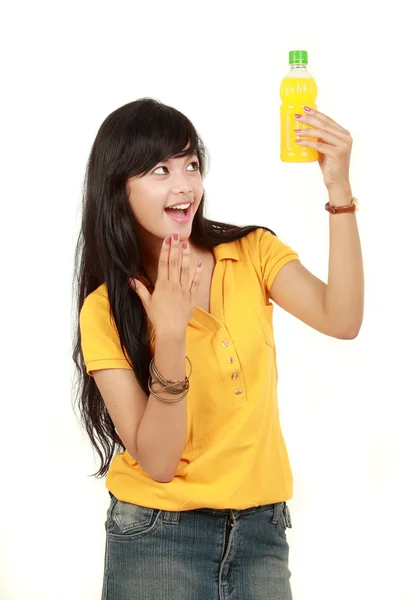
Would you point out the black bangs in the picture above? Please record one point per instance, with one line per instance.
(154, 132)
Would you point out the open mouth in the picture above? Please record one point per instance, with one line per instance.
(181, 215)
(179, 212)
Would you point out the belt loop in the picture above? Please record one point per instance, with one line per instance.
(276, 512)
(287, 515)
(112, 504)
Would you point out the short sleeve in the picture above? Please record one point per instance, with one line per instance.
(274, 254)
(100, 342)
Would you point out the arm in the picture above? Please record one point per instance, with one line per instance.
(162, 433)
(152, 431)
(336, 308)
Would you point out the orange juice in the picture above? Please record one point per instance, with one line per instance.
(298, 89)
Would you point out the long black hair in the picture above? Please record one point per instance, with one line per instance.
(131, 141)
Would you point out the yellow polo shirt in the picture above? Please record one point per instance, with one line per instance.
(235, 455)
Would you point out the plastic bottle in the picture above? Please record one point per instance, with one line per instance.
(298, 89)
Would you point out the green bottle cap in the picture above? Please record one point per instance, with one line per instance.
(298, 57)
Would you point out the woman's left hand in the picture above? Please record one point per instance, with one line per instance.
(334, 146)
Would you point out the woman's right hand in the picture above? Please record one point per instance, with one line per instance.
(172, 303)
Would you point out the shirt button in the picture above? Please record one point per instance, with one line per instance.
(225, 344)
(234, 376)
(230, 360)
(239, 392)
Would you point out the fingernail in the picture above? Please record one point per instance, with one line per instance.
(200, 263)
(297, 130)
(307, 108)
(130, 282)
(168, 240)
(298, 116)
(298, 141)
(175, 236)
(185, 245)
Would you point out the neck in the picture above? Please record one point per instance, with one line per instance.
(150, 254)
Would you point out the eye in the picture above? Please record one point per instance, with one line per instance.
(195, 163)
(158, 169)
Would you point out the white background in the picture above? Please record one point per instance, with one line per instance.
(344, 404)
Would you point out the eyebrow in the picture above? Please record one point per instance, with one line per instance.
(195, 155)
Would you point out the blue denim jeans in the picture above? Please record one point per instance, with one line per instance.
(203, 554)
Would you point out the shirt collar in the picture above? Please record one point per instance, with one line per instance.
(226, 250)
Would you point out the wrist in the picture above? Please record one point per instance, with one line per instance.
(170, 334)
(340, 195)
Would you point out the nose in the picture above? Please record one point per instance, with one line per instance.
(180, 185)
(182, 188)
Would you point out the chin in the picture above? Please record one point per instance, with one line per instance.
(183, 229)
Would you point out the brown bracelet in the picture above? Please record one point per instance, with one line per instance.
(348, 208)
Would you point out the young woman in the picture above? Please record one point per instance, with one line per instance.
(177, 364)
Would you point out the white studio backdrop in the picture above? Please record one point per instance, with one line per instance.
(344, 405)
